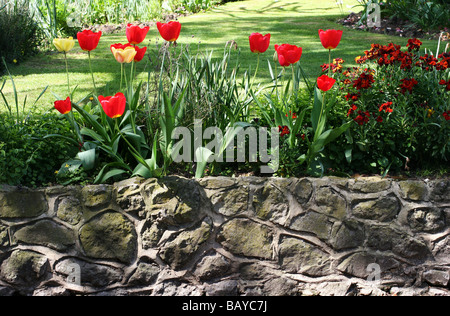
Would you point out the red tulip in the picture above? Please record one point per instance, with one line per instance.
(325, 83)
(140, 53)
(259, 43)
(119, 46)
(288, 54)
(63, 106)
(113, 106)
(169, 31)
(88, 40)
(136, 34)
(330, 38)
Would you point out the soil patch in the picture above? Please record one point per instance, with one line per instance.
(394, 26)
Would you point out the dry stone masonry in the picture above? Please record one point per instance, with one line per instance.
(227, 236)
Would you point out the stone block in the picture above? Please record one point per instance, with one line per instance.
(181, 249)
(314, 223)
(24, 268)
(346, 235)
(109, 236)
(383, 209)
(69, 210)
(212, 266)
(331, 203)
(22, 203)
(90, 274)
(145, 274)
(246, 238)
(426, 219)
(360, 265)
(413, 190)
(271, 202)
(299, 256)
(371, 185)
(437, 277)
(96, 195)
(46, 233)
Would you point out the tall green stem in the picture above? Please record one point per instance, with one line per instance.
(293, 81)
(67, 72)
(256, 72)
(121, 76)
(329, 63)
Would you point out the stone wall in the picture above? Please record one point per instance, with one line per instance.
(227, 236)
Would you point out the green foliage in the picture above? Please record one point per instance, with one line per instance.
(423, 14)
(26, 157)
(21, 36)
(196, 5)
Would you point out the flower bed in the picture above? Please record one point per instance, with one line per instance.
(199, 117)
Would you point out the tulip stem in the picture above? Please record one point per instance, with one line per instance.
(293, 81)
(67, 72)
(92, 73)
(256, 72)
(121, 76)
(329, 65)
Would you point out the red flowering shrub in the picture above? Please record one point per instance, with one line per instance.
(407, 85)
(399, 101)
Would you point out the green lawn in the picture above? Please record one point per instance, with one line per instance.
(289, 21)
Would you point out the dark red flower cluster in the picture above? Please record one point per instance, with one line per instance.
(427, 62)
(445, 62)
(445, 83)
(364, 81)
(284, 130)
(352, 96)
(389, 54)
(362, 118)
(407, 85)
(414, 44)
(446, 115)
(352, 109)
(377, 50)
(386, 107)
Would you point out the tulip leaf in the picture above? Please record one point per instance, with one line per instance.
(317, 108)
(87, 158)
(104, 175)
(202, 154)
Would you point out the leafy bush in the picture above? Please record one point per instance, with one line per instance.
(423, 14)
(26, 156)
(21, 35)
(399, 102)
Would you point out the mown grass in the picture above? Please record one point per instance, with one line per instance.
(289, 21)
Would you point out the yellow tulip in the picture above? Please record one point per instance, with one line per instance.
(64, 44)
(124, 55)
